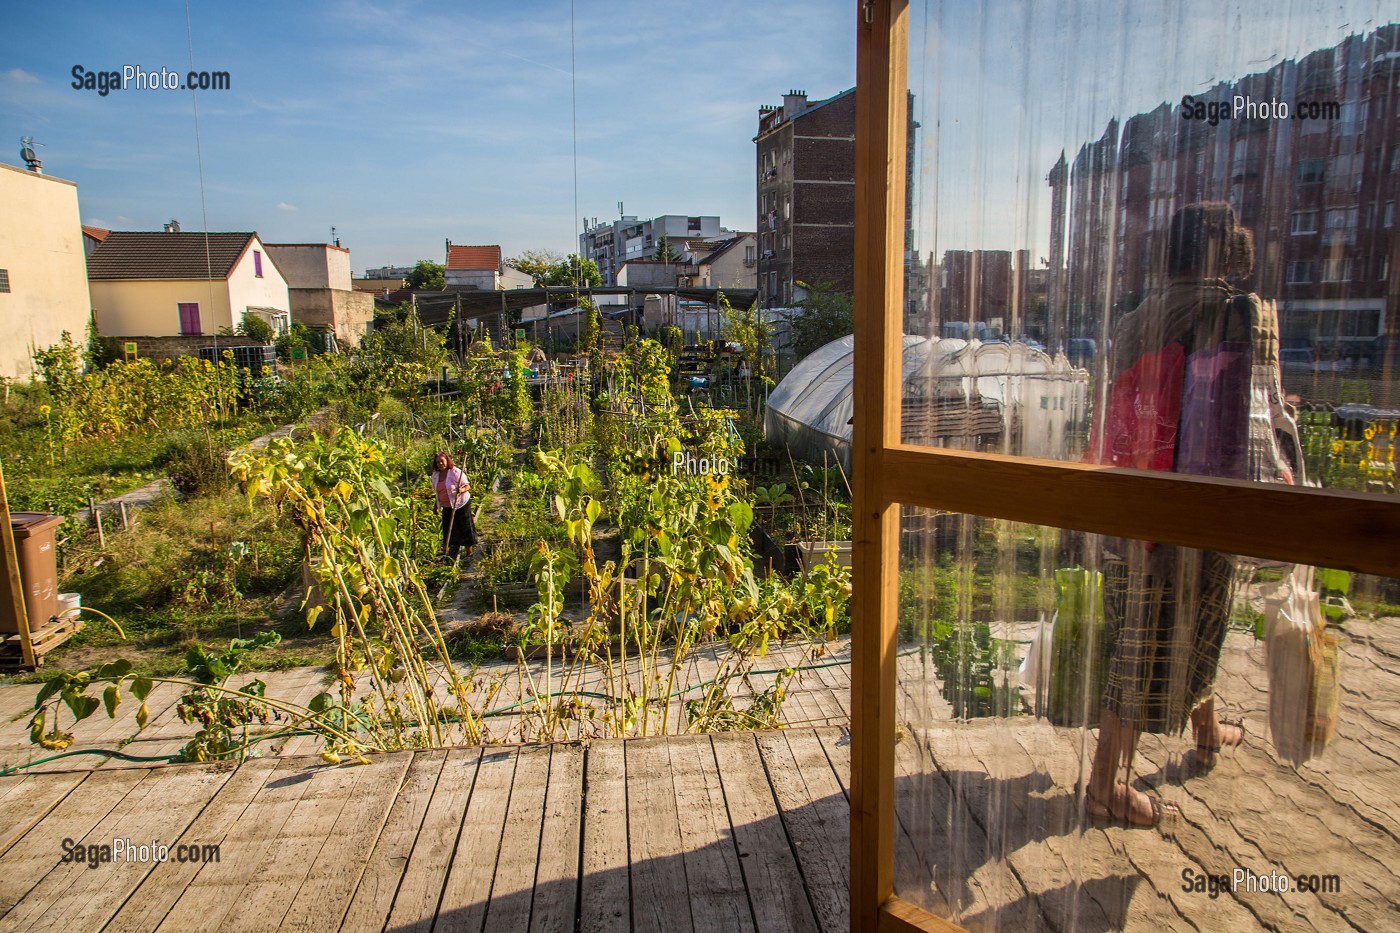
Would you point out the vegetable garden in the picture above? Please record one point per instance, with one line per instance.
(605, 568)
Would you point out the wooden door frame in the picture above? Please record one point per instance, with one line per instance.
(1323, 527)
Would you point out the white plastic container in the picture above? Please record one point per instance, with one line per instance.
(69, 604)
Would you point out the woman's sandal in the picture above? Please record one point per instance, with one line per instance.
(1164, 812)
(1207, 755)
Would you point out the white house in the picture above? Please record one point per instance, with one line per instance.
(184, 284)
(43, 288)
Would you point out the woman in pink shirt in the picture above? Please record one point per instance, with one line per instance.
(454, 494)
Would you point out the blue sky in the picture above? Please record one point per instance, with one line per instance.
(404, 123)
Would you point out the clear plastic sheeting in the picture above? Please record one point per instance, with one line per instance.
(1162, 237)
(971, 394)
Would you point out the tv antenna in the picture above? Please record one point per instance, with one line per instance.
(26, 152)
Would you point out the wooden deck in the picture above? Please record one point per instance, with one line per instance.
(735, 831)
(740, 831)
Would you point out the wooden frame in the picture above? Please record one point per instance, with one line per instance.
(1326, 528)
(11, 585)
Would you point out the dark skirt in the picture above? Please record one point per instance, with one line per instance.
(1168, 616)
(458, 529)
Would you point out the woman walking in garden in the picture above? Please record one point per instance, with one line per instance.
(1185, 365)
(454, 494)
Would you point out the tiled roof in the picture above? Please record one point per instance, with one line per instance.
(474, 257)
(144, 255)
(97, 233)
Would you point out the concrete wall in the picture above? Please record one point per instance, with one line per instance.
(483, 279)
(648, 274)
(312, 265)
(168, 348)
(41, 247)
(348, 313)
(246, 290)
(151, 306)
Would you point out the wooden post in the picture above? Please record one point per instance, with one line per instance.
(11, 586)
(97, 520)
(881, 129)
(126, 521)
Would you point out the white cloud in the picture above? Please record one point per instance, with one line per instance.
(284, 206)
(19, 76)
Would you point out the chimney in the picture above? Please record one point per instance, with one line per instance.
(794, 102)
(26, 152)
(173, 226)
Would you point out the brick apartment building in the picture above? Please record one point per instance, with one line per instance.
(995, 288)
(1318, 194)
(806, 195)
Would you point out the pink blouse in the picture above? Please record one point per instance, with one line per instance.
(452, 489)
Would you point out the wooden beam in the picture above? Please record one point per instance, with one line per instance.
(900, 916)
(881, 130)
(11, 585)
(1327, 528)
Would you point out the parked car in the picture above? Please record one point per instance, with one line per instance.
(1296, 358)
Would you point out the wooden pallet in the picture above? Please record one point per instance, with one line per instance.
(44, 640)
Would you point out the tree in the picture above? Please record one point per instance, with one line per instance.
(664, 252)
(576, 271)
(536, 263)
(428, 276)
(255, 328)
(746, 327)
(821, 317)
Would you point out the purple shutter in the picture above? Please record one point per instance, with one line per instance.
(189, 319)
(257, 263)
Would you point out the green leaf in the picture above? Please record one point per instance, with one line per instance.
(36, 728)
(81, 704)
(141, 688)
(312, 615)
(254, 688)
(593, 510)
(320, 703)
(142, 715)
(114, 670)
(51, 686)
(111, 698)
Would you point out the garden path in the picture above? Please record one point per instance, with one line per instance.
(156, 490)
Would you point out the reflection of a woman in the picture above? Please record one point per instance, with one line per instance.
(1179, 399)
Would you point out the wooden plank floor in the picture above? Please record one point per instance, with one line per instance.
(737, 831)
(685, 833)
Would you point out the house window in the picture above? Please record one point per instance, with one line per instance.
(1304, 222)
(692, 224)
(1341, 218)
(1309, 170)
(1300, 271)
(189, 319)
(1394, 159)
(1336, 270)
(4, 280)
(257, 264)
(1388, 218)
(748, 255)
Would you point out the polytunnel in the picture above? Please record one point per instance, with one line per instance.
(969, 394)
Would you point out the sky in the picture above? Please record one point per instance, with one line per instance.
(1002, 87)
(404, 124)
